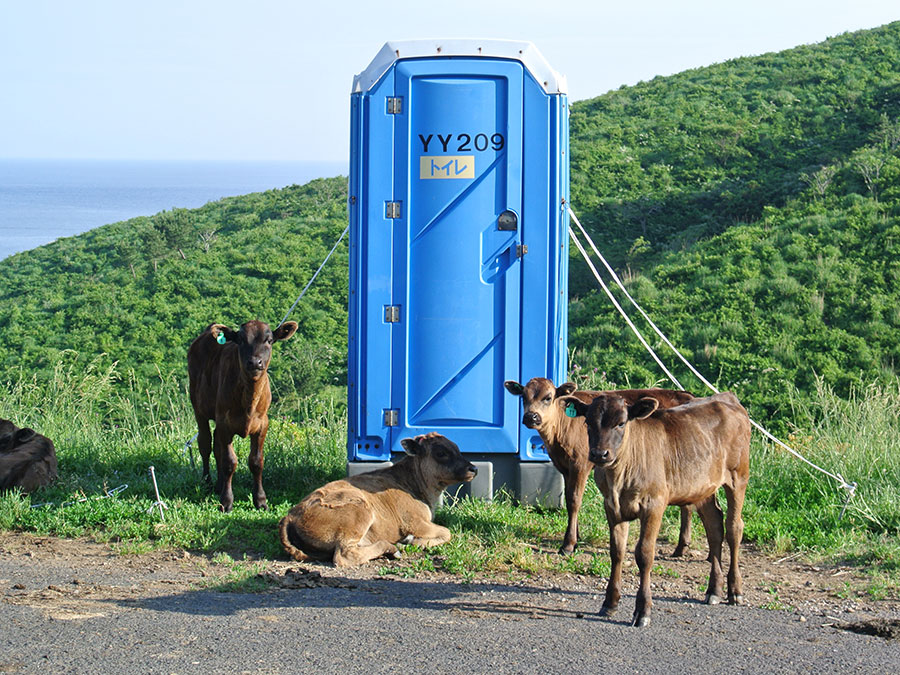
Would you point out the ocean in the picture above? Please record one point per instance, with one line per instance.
(43, 200)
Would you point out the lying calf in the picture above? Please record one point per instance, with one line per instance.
(27, 458)
(364, 517)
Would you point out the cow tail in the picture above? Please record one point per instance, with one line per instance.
(291, 550)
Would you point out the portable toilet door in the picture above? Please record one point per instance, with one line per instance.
(458, 188)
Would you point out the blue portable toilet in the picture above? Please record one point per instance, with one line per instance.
(459, 186)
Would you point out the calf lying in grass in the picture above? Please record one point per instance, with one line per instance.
(364, 517)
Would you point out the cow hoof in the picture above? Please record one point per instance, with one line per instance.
(735, 599)
(607, 611)
(679, 551)
(406, 541)
(566, 551)
(641, 622)
(262, 507)
(713, 599)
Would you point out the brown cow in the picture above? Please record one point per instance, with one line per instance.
(229, 384)
(365, 516)
(567, 443)
(27, 458)
(648, 458)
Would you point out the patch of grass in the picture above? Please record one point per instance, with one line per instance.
(241, 578)
(774, 602)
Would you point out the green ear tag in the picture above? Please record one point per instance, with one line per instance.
(220, 338)
(570, 410)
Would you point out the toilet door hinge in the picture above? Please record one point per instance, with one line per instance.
(395, 105)
(392, 210)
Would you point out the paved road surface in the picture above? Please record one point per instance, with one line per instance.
(115, 614)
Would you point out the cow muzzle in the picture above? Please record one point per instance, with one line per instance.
(600, 457)
(471, 472)
(255, 367)
(532, 420)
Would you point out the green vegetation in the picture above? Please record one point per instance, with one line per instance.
(141, 290)
(752, 208)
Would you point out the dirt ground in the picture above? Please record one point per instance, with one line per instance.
(76, 579)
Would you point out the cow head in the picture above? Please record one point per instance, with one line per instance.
(254, 343)
(12, 436)
(541, 400)
(439, 460)
(607, 418)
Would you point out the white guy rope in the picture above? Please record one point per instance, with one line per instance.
(850, 487)
(309, 283)
(108, 495)
(622, 311)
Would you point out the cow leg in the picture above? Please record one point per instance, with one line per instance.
(226, 463)
(618, 540)
(711, 515)
(349, 554)
(355, 522)
(645, 552)
(256, 462)
(204, 444)
(575, 482)
(734, 530)
(684, 534)
(430, 534)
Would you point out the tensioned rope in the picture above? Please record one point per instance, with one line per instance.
(309, 283)
(849, 486)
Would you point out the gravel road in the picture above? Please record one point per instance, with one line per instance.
(80, 607)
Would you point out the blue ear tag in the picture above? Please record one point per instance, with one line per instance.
(570, 410)
(220, 338)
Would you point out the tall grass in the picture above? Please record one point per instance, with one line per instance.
(109, 428)
(791, 505)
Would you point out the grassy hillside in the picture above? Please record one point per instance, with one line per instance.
(141, 290)
(752, 206)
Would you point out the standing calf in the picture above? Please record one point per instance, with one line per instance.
(566, 441)
(229, 384)
(365, 516)
(648, 458)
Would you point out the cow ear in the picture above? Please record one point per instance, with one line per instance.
(643, 408)
(574, 407)
(23, 436)
(285, 330)
(565, 389)
(221, 333)
(513, 387)
(411, 446)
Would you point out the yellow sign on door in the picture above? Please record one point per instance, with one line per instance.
(447, 166)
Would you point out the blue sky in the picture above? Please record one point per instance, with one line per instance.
(266, 80)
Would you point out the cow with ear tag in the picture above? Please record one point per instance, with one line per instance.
(566, 441)
(648, 458)
(229, 384)
(363, 517)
